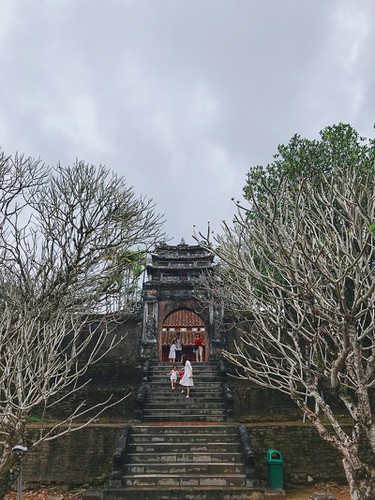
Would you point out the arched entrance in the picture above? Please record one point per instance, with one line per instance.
(187, 322)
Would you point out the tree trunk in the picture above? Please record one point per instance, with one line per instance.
(360, 481)
(8, 476)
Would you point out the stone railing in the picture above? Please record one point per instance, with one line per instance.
(228, 398)
(222, 368)
(119, 456)
(146, 370)
(226, 391)
(248, 456)
(140, 401)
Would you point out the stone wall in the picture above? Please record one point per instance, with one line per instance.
(85, 457)
(80, 458)
(257, 404)
(127, 332)
(117, 374)
(306, 457)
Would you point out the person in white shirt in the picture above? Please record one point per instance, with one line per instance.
(178, 342)
(172, 352)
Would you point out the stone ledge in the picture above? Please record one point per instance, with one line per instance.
(321, 496)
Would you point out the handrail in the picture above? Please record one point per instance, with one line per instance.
(228, 397)
(140, 401)
(248, 456)
(119, 455)
(222, 368)
(146, 370)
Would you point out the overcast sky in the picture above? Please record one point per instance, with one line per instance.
(181, 97)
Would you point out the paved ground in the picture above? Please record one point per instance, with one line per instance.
(45, 494)
(341, 493)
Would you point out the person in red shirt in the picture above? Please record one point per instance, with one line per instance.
(198, 346)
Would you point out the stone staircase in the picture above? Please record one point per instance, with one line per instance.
(184, 456)
(184, 449)
(206, 403)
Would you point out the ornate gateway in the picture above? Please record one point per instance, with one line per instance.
(170, 306)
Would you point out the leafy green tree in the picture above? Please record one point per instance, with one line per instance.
(297, 271)
(339, 145)
(129, 266)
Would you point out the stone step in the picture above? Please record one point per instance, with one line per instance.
(189, 407)
(178, 438)
(185, 418)
(188, 493)
(200, 387)
(177, 405)
(203, 377)
(183, 480)
(169, 394)
(184, 447)
(184, 429)
(182, 400)
(197, 378)
(201, 381)
(203, 385)
(188, 416)
(194, 364)
(136, 458)
(196, 371)
(166, 392)
(169, 413)
(197, 368)
(174, 402)
(183, 468)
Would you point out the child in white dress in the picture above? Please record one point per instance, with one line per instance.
(173, 377)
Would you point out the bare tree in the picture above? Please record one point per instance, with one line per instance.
(58, 229)
(297, 270)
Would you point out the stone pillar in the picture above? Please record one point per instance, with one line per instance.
(149, 340)
(217, 333)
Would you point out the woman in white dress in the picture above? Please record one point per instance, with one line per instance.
(187, 379)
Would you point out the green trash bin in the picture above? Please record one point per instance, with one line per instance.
(275, 469)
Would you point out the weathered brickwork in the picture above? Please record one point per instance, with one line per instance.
(85, 457)
(80, 458)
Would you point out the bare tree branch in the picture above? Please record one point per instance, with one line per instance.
(297, 271)
(71, 240)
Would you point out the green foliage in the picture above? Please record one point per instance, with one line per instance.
(123, 271)
(339, 146)
(35, 418)
(135, 260)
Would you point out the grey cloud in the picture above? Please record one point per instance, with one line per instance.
(181, 97)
